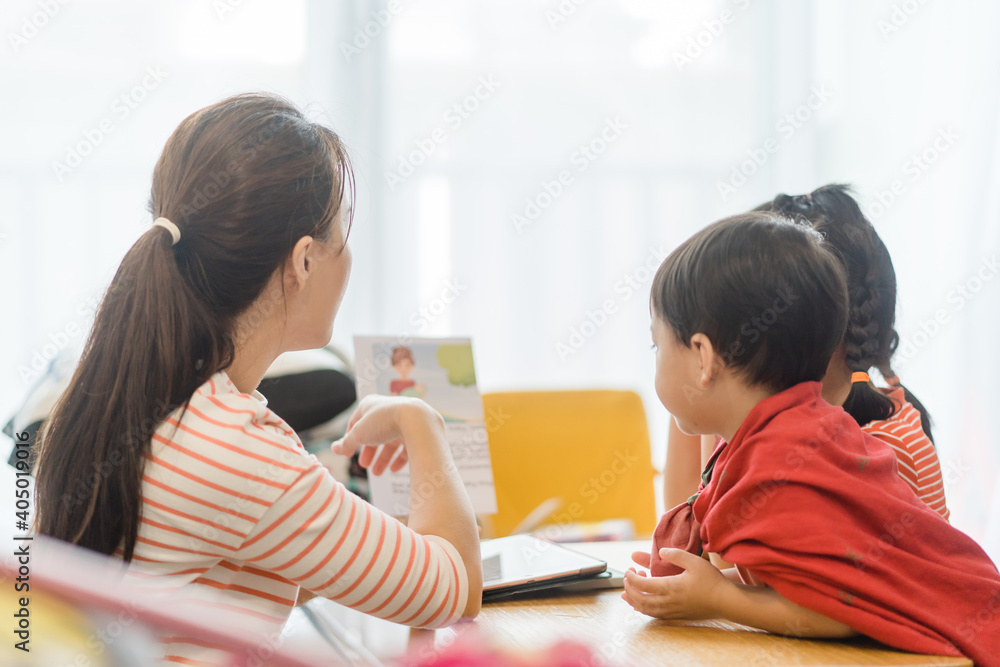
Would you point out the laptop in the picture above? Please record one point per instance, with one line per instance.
(523, 563)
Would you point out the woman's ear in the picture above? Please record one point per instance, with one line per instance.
(298, 264)
(711, 364)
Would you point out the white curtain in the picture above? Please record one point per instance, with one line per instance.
(532, 162)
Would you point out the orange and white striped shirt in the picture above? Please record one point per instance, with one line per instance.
(232, 502)
(915, 454)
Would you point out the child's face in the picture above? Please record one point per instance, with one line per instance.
(678, 368)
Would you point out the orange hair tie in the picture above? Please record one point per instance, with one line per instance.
(860, 377)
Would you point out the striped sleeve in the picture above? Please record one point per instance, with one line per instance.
(324, 538)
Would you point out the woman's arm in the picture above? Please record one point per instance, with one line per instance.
(439, 504)
(324, 538)
(390, 431)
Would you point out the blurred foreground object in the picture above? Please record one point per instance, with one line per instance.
(82, 612)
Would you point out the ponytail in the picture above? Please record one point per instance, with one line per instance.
(239, 183)
(925, 417)
(861, 346)
(137, 368)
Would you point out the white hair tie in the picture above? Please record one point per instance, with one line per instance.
(175, 232)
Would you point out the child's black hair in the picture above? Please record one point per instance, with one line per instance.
(870, 338)
(767, 293)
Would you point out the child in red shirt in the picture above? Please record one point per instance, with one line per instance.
(809, 508)
(892, 415)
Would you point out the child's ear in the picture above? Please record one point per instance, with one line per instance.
(711, 364)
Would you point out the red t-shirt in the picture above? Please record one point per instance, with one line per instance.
(812, 506)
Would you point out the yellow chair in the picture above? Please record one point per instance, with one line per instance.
(588, 449)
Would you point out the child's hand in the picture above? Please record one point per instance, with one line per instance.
(694, 594)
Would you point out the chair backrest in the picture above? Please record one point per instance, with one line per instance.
(588, 448)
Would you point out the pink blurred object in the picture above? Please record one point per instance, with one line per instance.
(91, 581)
(473, 648)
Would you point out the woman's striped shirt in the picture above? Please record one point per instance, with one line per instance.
(232, 503)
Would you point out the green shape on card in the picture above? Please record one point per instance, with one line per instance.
(457, 360)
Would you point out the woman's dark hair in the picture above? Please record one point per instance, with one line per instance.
(243, 180)
(870, 338)
(764, 290)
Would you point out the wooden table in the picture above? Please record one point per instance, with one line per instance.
(623, 636)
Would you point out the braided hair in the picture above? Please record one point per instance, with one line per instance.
(870, 339)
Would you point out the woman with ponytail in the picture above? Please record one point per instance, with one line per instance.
(161, 451)
(893, 415)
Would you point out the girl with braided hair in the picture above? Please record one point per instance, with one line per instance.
(893, 415)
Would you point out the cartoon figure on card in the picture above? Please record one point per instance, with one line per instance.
(402, 363)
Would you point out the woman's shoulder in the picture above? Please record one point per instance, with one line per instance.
(224, 450)
(219, 407)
